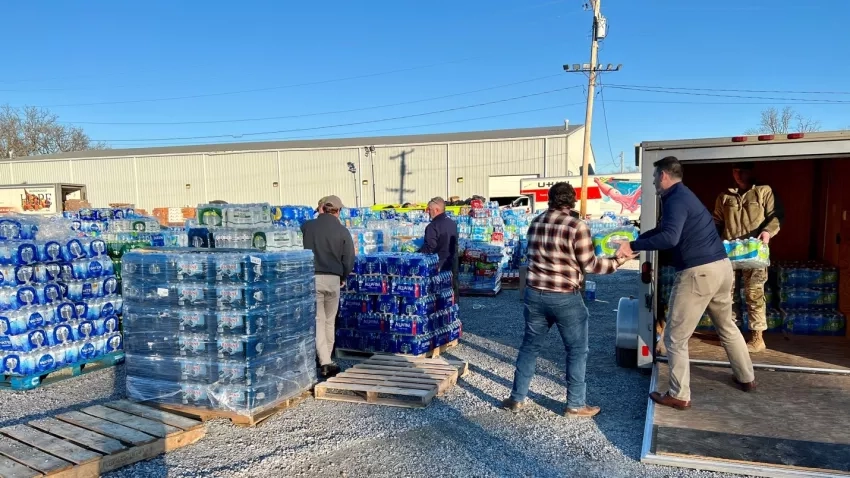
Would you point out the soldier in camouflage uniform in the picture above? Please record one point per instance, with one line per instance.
(750, 210)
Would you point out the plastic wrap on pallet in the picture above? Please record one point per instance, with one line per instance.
(221, 329)
(59, 302)
(397, 303)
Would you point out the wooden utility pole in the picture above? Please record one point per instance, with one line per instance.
(622, 163)
(600, 28)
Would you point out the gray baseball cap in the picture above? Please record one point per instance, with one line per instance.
(334, 201)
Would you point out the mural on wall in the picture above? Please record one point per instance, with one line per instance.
(624, 193)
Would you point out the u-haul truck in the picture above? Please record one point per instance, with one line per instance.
(797, 423)
(617, 194)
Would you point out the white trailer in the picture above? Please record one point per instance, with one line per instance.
(798, 422)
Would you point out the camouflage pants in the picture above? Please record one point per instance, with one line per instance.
(753, 288)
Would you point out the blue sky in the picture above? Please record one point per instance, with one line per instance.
(99, 63)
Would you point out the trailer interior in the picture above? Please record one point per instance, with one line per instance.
(797, 423)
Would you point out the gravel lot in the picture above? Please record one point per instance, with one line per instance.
(463, 433)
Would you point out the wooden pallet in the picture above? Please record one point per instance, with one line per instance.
(92, 441)
(357, 355)
(240, 419)
(30, 382)
(392, 380)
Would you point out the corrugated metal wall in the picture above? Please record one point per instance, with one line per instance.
(42, 172)
(306, 176)
(170, 180)
(412, 173)
(243, 177)
(476, 162)
(108, 181)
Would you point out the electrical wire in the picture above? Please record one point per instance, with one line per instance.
(323, 113)
(605, 120)
(355, 123)
(690, 93)
(732, 90)
(346, 135)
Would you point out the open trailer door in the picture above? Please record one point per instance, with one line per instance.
(797, 422)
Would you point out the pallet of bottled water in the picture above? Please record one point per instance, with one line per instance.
(397, 303)
(235, 215)
(292, 216)
(231, 331)
(59, 302)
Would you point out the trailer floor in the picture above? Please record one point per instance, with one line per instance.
(828, 353)
(794, 423)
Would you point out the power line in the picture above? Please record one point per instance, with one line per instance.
(306, 115)
(355, 123)
(689, 93)
(257, 90)
(397, 128)
(605, 121)
(733, 90)
(723, 103)
(508, 13)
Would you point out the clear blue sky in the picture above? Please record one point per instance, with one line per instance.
(72, 54)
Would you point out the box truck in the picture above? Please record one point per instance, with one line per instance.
(797, 422)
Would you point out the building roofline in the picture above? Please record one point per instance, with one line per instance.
(517, 133)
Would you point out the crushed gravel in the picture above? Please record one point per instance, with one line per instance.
(462, 433)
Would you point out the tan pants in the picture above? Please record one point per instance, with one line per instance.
(696, 290)
(327, 305)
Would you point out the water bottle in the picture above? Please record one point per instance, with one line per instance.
(590, 291)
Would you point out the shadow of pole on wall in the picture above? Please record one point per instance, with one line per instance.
(403, 173)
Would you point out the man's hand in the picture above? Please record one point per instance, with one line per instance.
(625, 250)
(764, 237)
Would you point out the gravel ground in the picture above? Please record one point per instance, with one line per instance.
(463, 433)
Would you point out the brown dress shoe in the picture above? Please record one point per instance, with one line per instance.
(583, 412)
(747, 387)
(669, 401)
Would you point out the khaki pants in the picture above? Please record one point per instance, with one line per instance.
(753, 284)
(327, 305)
(696, 290)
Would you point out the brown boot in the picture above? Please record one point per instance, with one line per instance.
(756, 343)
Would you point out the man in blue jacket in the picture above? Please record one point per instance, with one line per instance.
(441, 239)
(703, 281)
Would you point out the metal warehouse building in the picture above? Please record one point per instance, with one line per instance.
(365, 171)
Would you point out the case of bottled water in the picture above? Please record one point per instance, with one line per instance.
(222, 329)
(749, 253)
(391, 305)
(59, 299)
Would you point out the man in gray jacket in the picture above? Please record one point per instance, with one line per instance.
(333, 251)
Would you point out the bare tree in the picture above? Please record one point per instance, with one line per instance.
(31, 131)
(786, 121)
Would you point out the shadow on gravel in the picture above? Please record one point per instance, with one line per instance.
(550, 404)
(621, 393)
(118, 393)
(510, 361)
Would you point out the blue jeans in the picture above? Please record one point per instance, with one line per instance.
(568, 312)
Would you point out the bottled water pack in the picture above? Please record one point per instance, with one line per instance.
(221, 329)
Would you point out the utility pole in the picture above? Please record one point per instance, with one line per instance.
(600, 29)
(622, 163)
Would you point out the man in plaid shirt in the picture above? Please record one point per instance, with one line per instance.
(560, 251)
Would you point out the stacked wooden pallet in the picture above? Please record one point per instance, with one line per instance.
(356, 355)
(394, 380)
(92, 441)
(241, 419)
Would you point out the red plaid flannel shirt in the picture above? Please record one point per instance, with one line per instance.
(560, 250)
